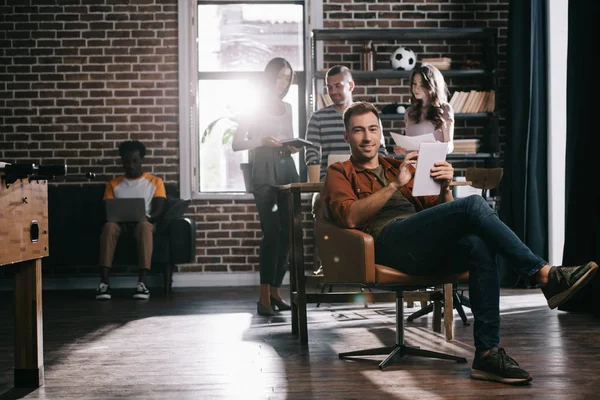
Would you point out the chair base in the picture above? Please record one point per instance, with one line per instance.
(459, 301)
(399, 351)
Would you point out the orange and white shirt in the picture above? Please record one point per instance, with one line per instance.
(146, 186)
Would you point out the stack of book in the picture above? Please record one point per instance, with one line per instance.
(466, 146)
(442, 63)
(473, 102)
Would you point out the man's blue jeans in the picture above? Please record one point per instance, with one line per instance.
(462, 235)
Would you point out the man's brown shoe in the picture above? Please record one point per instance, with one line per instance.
(564, 282)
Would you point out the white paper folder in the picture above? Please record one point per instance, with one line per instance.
(429, 153)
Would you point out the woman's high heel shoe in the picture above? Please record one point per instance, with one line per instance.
(280, 304)
(265, 311)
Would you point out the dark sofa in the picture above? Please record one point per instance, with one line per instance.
(75, 218)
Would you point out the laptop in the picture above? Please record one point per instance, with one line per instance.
(333, 158)
(125, 210)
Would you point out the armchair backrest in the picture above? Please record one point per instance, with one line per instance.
(347, 255)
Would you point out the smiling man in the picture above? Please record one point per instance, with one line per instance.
(133, 184)
(436, 235)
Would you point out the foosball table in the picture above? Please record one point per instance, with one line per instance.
(23, 244)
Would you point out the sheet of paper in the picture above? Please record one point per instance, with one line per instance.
(411, 143)
(428, 154)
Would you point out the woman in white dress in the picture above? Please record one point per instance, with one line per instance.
(429, 111)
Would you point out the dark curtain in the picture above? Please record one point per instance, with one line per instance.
(524, 200)
(582, 225)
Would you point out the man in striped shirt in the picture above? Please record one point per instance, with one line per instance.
(326, 126)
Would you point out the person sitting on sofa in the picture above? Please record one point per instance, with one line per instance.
(436, 235)
(134, 184)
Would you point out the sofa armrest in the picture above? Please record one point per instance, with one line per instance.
(347, 255)
(182, 240)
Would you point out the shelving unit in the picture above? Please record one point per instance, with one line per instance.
(485, 36)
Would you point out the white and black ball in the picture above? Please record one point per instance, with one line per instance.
(403, 59)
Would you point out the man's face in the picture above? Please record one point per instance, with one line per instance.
(340, 90)
(132, 164)
(364, 136)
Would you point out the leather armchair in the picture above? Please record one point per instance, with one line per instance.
(75, 218)
(348, 256)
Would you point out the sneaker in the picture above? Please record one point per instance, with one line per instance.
(499, 367)
(564, 282)
(141, 292)
(103, 292)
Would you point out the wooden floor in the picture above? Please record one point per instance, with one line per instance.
(208, 343)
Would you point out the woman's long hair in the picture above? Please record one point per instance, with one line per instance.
(272, 71)
(434, 83)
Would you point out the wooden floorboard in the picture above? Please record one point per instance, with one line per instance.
(208, 343)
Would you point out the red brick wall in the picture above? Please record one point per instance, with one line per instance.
(77, 79)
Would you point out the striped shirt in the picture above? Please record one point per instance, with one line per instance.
(326, 131)
(146, 187)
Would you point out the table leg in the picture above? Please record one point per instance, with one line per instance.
(448, 311)
(293, 283)
(29, 357)
(299, 265)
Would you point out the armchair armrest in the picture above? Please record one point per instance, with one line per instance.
(182, 240)
(347, 255)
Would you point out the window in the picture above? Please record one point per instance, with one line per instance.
(234, 42)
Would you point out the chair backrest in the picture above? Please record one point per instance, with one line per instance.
(347, 255)
(484, 178)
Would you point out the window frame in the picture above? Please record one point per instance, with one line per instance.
(189, 162)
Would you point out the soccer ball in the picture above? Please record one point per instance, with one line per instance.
(403, 59)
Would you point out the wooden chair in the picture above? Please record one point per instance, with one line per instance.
(348, 257)
(484, 178)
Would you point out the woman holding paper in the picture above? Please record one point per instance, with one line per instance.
(262, 133)
(429, 111)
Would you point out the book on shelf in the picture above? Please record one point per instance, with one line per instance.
(466, 146)
(441, 63)
(460, 102)
(473, 101)
(454, 99)
(323, 100)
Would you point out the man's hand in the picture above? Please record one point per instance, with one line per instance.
(270, 141)
(442, 172)
(404, 174)
(399, 150)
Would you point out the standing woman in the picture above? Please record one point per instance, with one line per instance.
(429, 111)
(272, 165)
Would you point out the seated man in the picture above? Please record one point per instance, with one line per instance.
(133, 184)
(436, 235)
(326, 130)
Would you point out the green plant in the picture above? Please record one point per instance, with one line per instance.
(228, 130)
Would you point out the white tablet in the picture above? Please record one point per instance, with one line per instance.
(428, 154)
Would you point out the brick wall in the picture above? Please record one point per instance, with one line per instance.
(77, 79)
